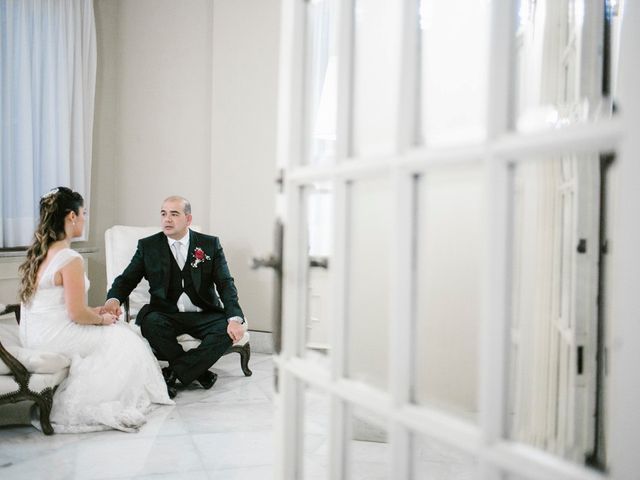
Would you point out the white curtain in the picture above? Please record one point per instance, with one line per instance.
(47, 89)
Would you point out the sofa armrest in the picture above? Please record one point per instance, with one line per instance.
(18, 370)
(11, 308)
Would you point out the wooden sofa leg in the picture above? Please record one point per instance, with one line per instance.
(245, 355)
(45, 401)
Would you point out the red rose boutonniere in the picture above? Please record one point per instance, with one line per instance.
(198, 257)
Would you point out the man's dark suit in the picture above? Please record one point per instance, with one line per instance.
(160, 320)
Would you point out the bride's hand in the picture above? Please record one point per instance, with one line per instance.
(98, 310)
(108, 318)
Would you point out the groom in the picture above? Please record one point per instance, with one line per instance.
(186, 271)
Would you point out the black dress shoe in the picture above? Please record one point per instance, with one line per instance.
(172, 391)
(170, 376)
(207, 379)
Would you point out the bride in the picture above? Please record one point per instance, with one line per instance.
(114, 377)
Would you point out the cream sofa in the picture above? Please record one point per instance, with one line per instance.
(27, 375)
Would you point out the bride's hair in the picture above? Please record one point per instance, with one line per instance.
(54, 207)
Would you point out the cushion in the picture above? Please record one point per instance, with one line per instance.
(36, 361)
(8, 384)
(37, 383)
(40, 381)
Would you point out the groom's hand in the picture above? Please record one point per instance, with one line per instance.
(235, 331)
(112, 306)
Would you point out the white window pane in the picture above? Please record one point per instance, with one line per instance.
(368, 452)
(318, 211)
(321, 95)
(454, 59)
(448, 303)
(370, 215)
(315, 435)
(559, 51)
(376, 76)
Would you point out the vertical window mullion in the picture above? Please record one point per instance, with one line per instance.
(402, 318)
(344, 123)
(494, 335)
(624, 337)
(492, 371)
(290, 150)
(339, 281)
(408, 101)
(289, 417)
(291, 398)
(338, 432)
(338, 444)
(338, 338)
(401, 314)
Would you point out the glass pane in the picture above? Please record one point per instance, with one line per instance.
(316, 434)
(561, 51)
(368, 451)
(556, 387)
(319, 211)
(376, 76)
(433, 460)
(321, 82)
(368, 281)
(449, 250)
(453, 70)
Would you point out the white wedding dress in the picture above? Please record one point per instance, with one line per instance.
(114, 378)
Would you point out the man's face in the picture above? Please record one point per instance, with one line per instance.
(173, 219)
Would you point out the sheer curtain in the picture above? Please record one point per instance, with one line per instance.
(47, 89)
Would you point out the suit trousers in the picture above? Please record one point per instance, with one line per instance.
(161, 330)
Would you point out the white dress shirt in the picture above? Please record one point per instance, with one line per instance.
(184, 302)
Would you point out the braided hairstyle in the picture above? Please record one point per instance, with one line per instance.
(54, 207)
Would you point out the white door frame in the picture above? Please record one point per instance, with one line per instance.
(486, 441)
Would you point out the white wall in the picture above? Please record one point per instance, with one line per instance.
(185, 104)
(152, 118)
(9, 279)
(164, 107)
(103, 196)
(243, 169)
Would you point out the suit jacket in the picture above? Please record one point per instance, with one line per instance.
(210, 277)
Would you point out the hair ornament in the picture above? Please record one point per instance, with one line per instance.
(51, 192)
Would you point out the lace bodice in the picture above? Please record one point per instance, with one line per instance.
(49, 296)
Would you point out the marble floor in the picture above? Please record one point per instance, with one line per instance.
(224, 433)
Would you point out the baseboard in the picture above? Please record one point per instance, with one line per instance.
(261, 342)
